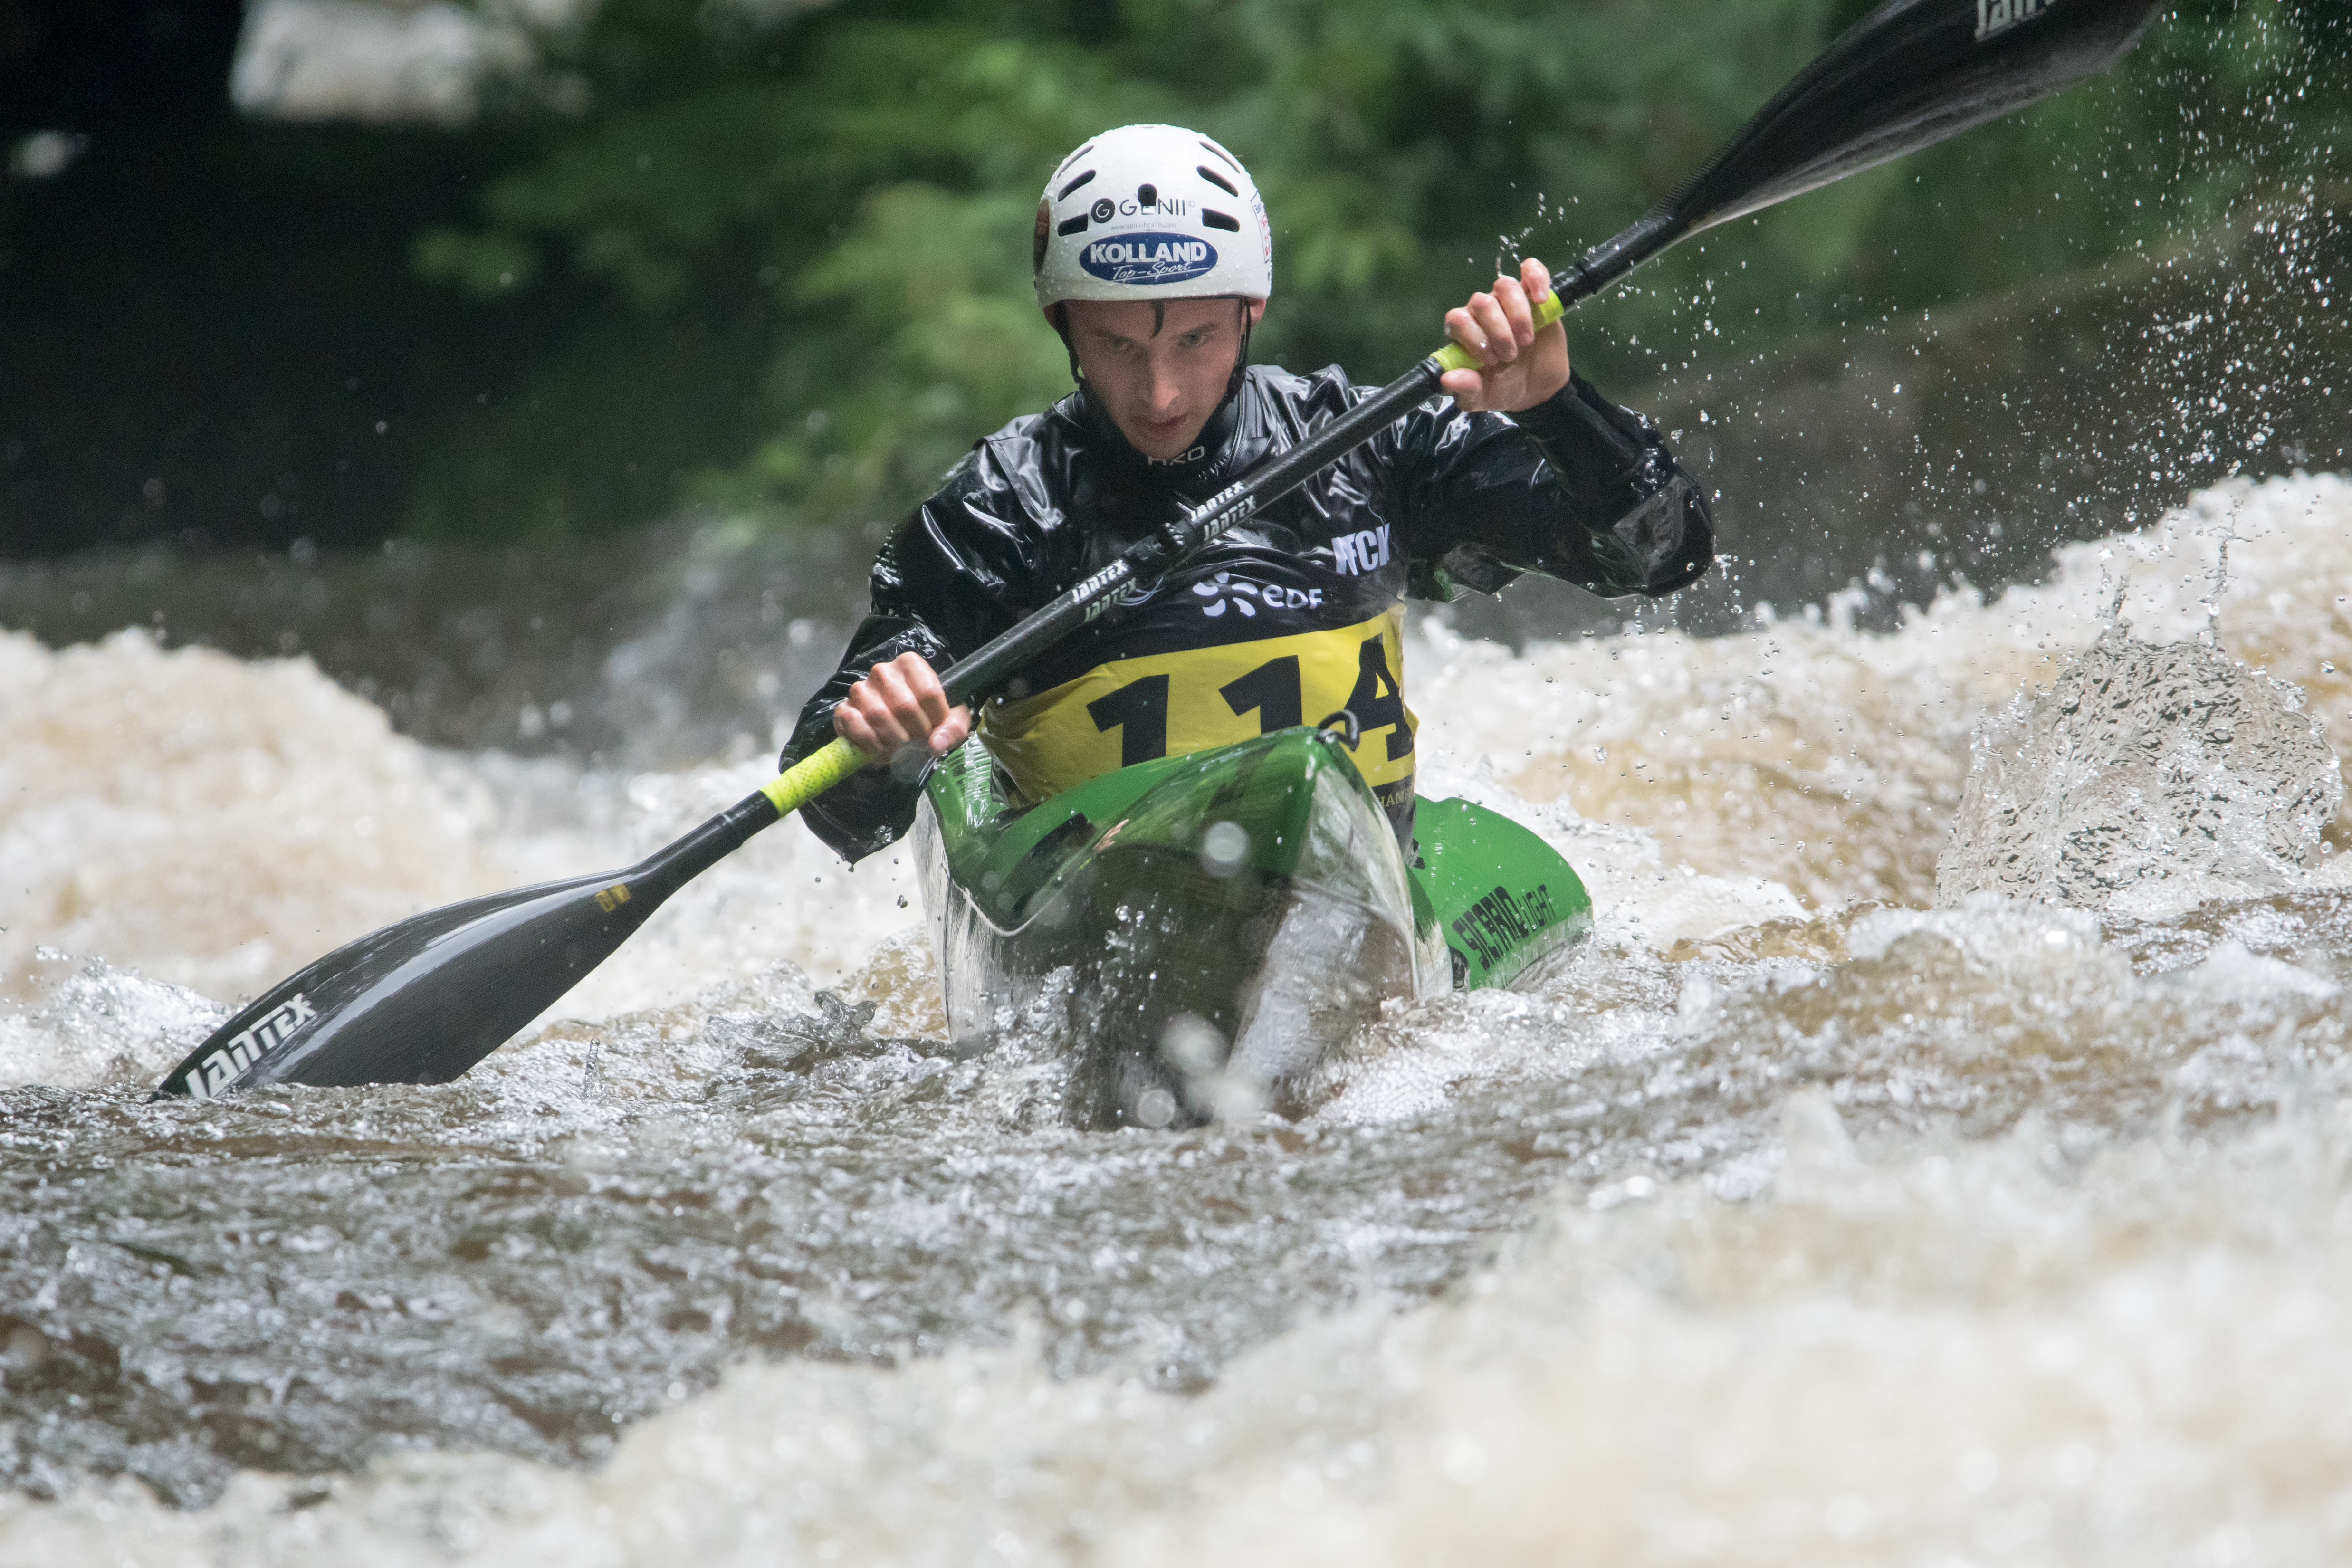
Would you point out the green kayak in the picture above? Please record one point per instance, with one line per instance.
(1207, 926)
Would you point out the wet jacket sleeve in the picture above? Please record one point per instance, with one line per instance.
(962, 568)
(1595, 498)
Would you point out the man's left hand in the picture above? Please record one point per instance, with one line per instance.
(1521, 365)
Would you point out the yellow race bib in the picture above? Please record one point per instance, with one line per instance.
(1131, 710)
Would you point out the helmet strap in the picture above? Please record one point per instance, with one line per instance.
(1061, 319)
(1241, 360)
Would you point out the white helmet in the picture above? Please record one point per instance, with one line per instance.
(1151, 212)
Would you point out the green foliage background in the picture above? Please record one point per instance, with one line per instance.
(832, 202)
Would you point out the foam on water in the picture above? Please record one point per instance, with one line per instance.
(2147, 779)
(1783, 1225)
(209, 822)
(1832, 761)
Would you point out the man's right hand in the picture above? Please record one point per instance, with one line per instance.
(900, 704)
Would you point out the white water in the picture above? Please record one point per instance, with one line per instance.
(213, 824)
(1981, 1234)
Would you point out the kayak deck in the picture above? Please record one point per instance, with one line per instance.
(1207, 926)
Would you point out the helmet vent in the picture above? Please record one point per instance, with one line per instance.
(1216, 219)
(1146, 195)
(1218, 180)
(1074, 158)
(1072, 225)
(1220, 155)
(1063, 195)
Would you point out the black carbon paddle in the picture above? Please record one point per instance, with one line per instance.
(422, 1001)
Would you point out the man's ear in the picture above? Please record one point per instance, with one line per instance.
(1256, 311)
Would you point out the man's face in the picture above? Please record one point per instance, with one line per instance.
(1160, 380)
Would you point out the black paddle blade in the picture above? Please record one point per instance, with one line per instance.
(1908, 75)
(422, 1001)
(359, 1014)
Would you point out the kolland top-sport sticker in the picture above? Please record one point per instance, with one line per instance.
(1148, 259)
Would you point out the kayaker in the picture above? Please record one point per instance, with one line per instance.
(1153, 260)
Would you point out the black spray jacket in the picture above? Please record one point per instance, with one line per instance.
(1292, 615)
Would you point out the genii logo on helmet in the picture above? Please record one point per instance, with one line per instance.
(1148, 259)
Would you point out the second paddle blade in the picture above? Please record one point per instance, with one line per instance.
(422, 1001)
(1908, 75)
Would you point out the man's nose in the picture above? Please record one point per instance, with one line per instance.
(1165, 389)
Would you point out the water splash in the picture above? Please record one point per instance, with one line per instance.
(1832, 761)
(2145, 780)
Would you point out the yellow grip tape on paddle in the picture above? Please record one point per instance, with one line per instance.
(1454, 356)
(811, 776)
